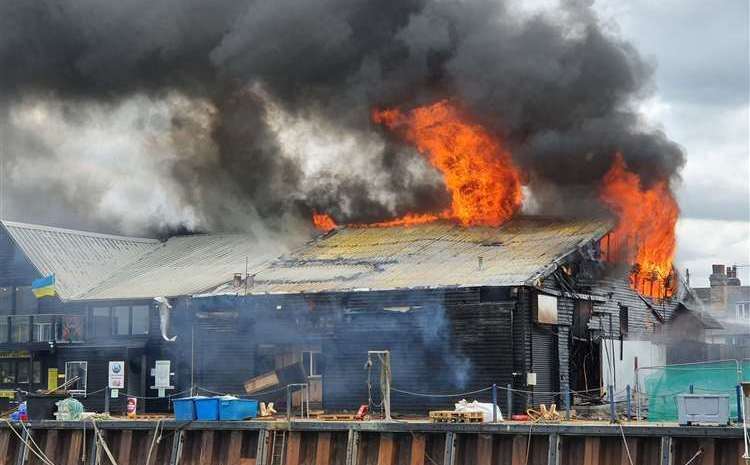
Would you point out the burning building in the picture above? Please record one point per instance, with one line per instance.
(531, 304)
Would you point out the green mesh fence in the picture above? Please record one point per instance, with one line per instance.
(663, 384)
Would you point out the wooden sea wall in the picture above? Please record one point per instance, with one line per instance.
(371, 443)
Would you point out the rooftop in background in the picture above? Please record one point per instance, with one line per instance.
(92, 266)
(435, 255)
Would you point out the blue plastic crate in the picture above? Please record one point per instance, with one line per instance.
(237, 409)
(207, 408)
(184, 409)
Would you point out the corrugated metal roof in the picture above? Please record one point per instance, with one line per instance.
(78, 259)
(425, 256)
(184, 265)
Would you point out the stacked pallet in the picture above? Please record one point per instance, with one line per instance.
(449, 416)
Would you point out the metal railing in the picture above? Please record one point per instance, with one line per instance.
(51, 327)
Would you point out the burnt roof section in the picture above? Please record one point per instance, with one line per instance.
(435, 255)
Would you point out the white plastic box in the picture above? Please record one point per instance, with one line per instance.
(703, 408)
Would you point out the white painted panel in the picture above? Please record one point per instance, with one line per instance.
(648, 353)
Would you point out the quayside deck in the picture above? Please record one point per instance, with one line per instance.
(410, 442)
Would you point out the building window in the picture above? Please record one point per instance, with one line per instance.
(4, 326)
(121, 320)
(20, 330)
(6, 300)
(42, 329)
(22, 373)
(100, 321)
(311, 362)
(36, 372)
(79, 370)
(7, 372)
(623, 320)
(743, 310)
(140, 319)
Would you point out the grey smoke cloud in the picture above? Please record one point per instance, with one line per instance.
(263, 107)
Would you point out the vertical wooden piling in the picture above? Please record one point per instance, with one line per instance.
(519, 446)
(418, 444)
(553, 450)
(50, 443)
(207, 448)
(234, 448)
(74, 452)
(386, 449)
(632, 448)
(4, 447)
(591, 451)
(709, 451)
(484, 449)
(126, 443)
(323, 452)
(293, 448)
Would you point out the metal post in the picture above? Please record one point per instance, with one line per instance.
(612, 413)
(494, 403)
(566, 401)
(739, 403)
(509, 399)
(106, 400)
(627, 393)
(692, 389)
(288, 403)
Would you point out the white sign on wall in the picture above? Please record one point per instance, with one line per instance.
(117, 375)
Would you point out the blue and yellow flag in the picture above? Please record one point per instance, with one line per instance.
(43, 287)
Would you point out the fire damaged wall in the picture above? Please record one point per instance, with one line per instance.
(469, 351)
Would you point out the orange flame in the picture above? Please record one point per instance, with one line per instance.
(323, 222)
(484, 184)
(645, 233)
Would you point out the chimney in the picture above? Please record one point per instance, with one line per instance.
(732, 279)
(718, 281)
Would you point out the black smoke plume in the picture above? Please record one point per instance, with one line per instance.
(216, 115)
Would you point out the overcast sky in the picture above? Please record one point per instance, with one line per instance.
(702, 76)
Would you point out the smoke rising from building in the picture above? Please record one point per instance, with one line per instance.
(142, 116)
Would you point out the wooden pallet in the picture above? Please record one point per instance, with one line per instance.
(449, 416)
(337, 417)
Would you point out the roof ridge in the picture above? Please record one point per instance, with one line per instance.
(78, 232)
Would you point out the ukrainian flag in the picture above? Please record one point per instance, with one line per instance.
(43, 287)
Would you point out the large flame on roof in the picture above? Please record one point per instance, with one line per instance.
(645, 233)
(484, 184)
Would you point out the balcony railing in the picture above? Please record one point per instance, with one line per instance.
(57, 328)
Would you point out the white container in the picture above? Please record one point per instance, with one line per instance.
(702, 409)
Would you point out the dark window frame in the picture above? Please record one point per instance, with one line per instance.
(624, 320)
(113, 330)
